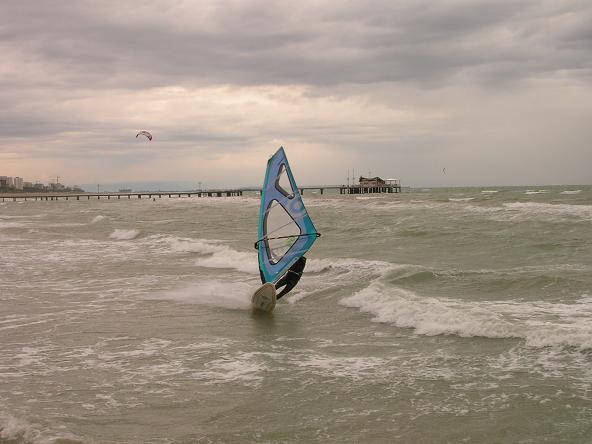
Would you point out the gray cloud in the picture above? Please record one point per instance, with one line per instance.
(259, 42)
(417, 81)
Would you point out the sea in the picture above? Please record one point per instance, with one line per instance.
(436, 315)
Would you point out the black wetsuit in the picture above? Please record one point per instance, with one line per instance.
(291, 278)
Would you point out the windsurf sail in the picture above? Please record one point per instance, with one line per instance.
(286, 231)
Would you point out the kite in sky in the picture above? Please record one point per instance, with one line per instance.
(144, 133)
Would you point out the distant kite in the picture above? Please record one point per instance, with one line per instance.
(146, 134)
(444, 171)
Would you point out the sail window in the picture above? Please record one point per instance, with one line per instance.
(283, 184)
(281, 231)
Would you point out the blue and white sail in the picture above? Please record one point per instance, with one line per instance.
(286, 231)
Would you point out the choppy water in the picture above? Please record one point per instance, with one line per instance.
(443, 315)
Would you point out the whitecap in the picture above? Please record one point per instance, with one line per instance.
(214, 253)
(120, 234)
(97, 219)
(225, 257)
(243, 368)
(539, 324)
(355, 367)
(12, 225)
(428, 316)
(547, 209)
(15, 430)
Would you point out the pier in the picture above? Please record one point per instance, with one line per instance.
(357, 189)
(49, 196)
(126, 195)
(394, 187)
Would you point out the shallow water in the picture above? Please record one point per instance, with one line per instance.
(435, 315)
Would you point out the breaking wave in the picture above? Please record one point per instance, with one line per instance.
(120, 234)
(547, 209)
(17, 431)
(211, 253)
(540, 324)
(96, 219)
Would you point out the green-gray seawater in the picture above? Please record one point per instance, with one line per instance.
(430, 316)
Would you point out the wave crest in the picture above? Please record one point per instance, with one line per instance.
(120, 234)
(539, 324)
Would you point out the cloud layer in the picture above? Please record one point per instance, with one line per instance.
(497, 92)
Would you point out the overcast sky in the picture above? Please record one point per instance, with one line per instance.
(497, 92)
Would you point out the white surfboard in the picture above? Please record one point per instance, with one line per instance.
(264, 298)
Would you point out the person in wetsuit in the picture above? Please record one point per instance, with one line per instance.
(290, 279)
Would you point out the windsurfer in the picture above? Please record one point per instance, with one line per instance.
(285, 234)
(291, 278)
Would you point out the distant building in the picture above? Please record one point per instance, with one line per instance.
(56, 186)
(371, 182)
(11, 182)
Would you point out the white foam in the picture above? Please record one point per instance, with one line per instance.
(344, 367)
(571, 192)
(226, 257)
(149, 347)
(98, 218)
(186, 245)
(233, 295)
(297, 296)
(15, 430)
(32, 216)
(460, 199)
(214, 253)
(212, 201)
(12, 225)
(428, 316)
(120, 234)
(489, 191)
(547, 209)
(350, 265)
(242, 368)
(540, 324)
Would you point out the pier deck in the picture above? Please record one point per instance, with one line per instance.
(128, 195)
(343, 189)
